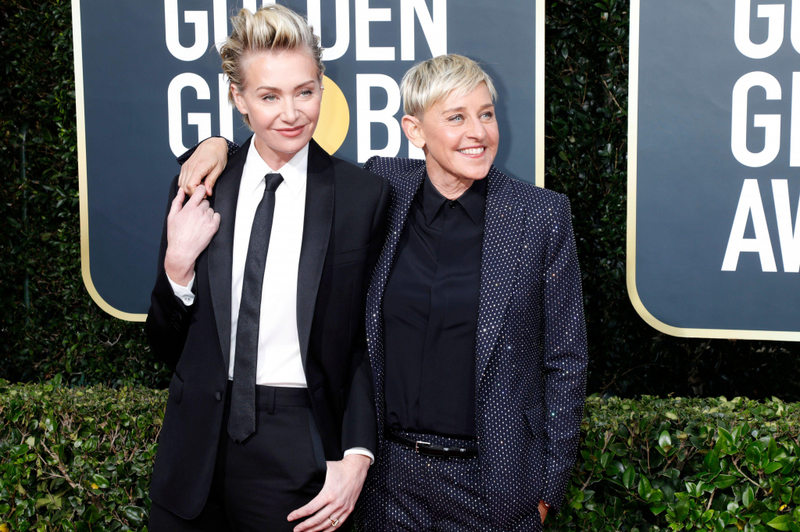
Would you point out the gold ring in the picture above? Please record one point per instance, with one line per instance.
(334, 522)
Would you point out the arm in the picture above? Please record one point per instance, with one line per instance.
(359, 428)
(345, 478)
(187, 231)
(565, 357)
(204, 163)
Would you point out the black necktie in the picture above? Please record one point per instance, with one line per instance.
(242, 422)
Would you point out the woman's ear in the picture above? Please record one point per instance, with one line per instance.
(413, 130)
(238, 99)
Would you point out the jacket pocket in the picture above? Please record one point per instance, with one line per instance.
(535, 417)
(346, 257)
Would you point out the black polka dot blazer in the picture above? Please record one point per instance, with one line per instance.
(530, 359)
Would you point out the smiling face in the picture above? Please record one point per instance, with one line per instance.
(281, 97)
(459, 135)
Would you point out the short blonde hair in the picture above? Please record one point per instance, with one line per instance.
(430, 81)
(272, 28)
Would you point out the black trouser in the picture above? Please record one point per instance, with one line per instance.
(257, 483)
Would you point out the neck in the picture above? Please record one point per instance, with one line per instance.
(275, 160)
(450, 187)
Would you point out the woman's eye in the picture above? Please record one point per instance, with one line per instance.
(488, 115)
(269, 97)
(456, 118)
(306, 92)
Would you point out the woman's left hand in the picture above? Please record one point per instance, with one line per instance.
(338, 496)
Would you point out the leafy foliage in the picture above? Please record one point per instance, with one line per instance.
(80, 459)
(686, 464)
(77, 459)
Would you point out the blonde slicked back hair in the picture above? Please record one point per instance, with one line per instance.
(431, 81)
(273, 28)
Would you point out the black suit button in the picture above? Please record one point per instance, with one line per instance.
(218, 395)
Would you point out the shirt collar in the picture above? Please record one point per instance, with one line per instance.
(473, 200)
(294, 172)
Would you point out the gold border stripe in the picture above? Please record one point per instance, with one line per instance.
(633, 133)
(82, 182)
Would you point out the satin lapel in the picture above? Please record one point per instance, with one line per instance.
(220, 250)
(499, 263)
(317, 223)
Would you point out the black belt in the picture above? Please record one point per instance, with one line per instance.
(428, 449)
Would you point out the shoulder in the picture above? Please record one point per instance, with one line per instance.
(356, 185)
(393, 168)
(350, 172)
(532, 191)
(540, 207)
(534, 195)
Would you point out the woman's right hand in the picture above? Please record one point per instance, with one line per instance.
(204, 166)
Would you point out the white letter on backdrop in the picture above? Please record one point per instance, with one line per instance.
(366, 116)
(342, 42)
(201, 120)
(749, 204)
(770, 123)
(365, 15)
(434, 27)
(199, 19)
(741, 29)
(787, 232)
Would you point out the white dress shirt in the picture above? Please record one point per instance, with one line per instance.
(279, 360)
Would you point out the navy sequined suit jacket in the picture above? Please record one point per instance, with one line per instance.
(530, 360)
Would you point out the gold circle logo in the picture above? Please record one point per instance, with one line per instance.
(334, 117)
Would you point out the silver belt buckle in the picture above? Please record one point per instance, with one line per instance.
(416, 445)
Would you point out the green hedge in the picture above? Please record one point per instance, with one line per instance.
(61, 331)
(77, 459)
(80, 459)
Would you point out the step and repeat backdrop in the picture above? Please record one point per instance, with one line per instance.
(149, 86)
(714, 157)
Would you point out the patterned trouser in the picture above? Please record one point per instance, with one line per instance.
(409, 492)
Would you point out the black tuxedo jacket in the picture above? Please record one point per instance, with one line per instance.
(344, 229)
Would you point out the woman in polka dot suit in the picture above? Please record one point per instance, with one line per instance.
(474, 322)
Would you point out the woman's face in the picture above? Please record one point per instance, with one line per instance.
(281, 97)
(460, 137)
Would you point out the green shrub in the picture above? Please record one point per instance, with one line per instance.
(686, 464)
(80, 459)
(77, 459)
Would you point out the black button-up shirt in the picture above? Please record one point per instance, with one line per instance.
(430, 311)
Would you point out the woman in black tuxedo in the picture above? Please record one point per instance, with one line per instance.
(259, 308)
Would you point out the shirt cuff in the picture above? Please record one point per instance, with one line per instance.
(362, 451)
(184, 293)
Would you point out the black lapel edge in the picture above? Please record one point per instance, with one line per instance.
(220, 250)
(317, 223)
